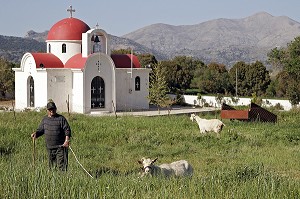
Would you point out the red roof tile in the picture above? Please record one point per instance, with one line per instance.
(124, 61)
(47, 60)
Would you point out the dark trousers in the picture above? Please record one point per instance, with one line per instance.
(58, 158)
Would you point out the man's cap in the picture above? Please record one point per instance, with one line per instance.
(51, 105)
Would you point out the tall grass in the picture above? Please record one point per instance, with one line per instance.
(249, 160)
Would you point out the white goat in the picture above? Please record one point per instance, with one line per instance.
(178, 168)
(205, 125)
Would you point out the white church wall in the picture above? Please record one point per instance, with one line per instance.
(106, 73)
(77, 92)
(86, 49)
(27, 70)
(40, 87)
(60, 87)
(72, 48)
(141, 96)
(126, 96)
(123, 87)
(21, 77)
(20, 90)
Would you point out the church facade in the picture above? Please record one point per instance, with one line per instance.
(79, 73)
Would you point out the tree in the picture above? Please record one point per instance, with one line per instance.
(7, 77)
(289, 60)
(275, 58)
(249, 79)
(179, 73)
(258, 79)
(278, 86)
(213, 78)
(147, 60)
(293, 92)
(158, 87)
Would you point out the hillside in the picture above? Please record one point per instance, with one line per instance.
(221, 40)
(13, 48)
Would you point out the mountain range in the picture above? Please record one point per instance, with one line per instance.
(221, 40)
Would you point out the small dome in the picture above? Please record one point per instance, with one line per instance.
(68, 29)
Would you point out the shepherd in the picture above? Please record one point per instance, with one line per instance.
(57, 136)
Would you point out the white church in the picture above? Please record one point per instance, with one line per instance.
(79, 73)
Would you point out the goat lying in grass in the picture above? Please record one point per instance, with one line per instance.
(205, 125)
(178, 168)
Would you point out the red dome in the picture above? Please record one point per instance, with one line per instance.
(68, 29)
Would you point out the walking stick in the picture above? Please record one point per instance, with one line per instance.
(33, 155)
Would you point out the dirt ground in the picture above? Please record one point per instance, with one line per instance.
(6, 103)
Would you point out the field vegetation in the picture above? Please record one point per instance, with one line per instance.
(249, 160)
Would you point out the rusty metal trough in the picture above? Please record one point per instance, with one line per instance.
(254, 113)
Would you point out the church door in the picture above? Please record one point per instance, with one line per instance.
(31, 92)
(97, 93)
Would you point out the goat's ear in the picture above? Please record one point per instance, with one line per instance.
(140, 162)
(154, 160)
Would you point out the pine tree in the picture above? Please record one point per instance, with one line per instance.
(158, 88)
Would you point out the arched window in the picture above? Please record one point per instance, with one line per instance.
(137, 83)
(49, 48)
(64, 48)
(97, 44)
(30, 90)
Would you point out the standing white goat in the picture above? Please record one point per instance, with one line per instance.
(205, 125)
(178, 168)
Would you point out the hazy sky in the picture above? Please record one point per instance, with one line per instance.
(119, 17)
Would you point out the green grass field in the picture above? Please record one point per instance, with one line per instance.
(249, 160)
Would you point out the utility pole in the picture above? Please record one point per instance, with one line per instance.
(236, 82)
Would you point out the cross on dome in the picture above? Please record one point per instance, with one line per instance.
(71, 10)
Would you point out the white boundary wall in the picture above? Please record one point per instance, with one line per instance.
(211, 100)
